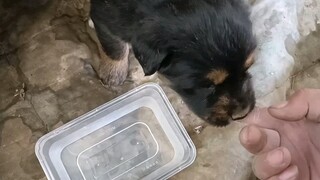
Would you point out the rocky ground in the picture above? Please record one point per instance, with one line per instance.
(47, 51)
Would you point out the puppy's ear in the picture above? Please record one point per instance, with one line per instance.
(149, 56)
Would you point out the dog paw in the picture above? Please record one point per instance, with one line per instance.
(114, 72)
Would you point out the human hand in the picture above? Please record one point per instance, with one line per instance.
(285, 139)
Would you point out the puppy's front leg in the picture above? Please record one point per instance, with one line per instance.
(114, 54)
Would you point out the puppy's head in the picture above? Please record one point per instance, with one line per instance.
(217, 93)
(206, 58)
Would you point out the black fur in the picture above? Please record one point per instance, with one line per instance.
(185, 40)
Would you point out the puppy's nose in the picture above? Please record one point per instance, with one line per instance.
(240, 113)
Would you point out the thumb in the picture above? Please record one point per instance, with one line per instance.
(296, 108)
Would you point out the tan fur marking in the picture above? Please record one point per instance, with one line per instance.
(218, 76)
(219, 110)
(249, 61)
(224, 101)
(219, 113)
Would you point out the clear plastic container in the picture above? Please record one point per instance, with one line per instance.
(136, 136)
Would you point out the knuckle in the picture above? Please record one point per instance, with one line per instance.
(303, 91)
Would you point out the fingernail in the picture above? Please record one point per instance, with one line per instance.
(289, 174)
(281, 105)
(251, 135)
(245, 135)
(275, 158)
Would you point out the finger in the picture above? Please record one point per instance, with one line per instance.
(258, 140)
(314, 104)
(302, 104)
(271, 163)
(296, 108)
(291, 173)
(262, 118)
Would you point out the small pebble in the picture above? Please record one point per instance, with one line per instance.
(198, 129)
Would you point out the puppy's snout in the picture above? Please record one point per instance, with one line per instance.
(240, 113)
(244, 102)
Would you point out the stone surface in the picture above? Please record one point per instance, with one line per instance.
(273, 22)
(306, 72)
(14, 144)
(47, 60)
(218, 157)
(10, 84)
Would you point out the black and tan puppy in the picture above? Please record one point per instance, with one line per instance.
(204, 47)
